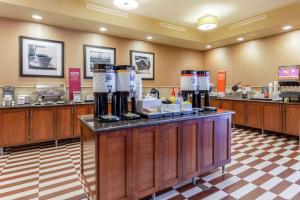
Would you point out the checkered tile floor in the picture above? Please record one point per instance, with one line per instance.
(263, 167)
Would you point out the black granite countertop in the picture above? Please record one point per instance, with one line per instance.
(42, 106)
(98, 127)
(254, 100)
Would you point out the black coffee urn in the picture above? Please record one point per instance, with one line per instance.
(204, 88)
(104, 89)
(126, 87)
(189, 86)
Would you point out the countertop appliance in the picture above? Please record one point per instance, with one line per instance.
(154, 93)
(104, 89)
(189, 86)
(49, 94)
(289, 81)
(204, 87)
(126, 88)
(8, 95)
(23, 99)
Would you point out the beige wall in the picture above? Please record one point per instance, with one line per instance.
(255, 62)
(168, 60)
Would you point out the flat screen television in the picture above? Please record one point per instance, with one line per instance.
(289, 73)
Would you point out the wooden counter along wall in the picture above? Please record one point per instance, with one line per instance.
(277, 117)
(19, 126)
(136, 162)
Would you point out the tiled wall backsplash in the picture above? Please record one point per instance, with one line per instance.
(164, 92)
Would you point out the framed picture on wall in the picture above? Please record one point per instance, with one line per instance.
(97, 55)
(41, 58)
(143, 63)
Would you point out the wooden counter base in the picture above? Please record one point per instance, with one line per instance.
(270, 116)
(136, 162)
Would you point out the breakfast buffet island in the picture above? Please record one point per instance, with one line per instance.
(132, 159)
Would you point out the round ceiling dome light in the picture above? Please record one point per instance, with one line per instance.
(208, 22)
(126, 4)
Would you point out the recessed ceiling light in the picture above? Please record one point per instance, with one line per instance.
(240, 39)
(126, 4)
(149, 38)
(288, 27)
(37, 17)
(207, 23)
(208, 46)
(103, 29)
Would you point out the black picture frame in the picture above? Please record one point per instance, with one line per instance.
(153, 61)
(21, 57)
(85, 46)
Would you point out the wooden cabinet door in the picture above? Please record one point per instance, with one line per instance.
(226, 104)
(215, 103)
(215, 142)
(240, 112)
(64, 122)
(273, 117)
(208, 142)
(91, 109)
(292, 119)
(79, 110)
(145, 161)
(170, 155)
(14, 127)
(254, 114)
(115, 169)
(223, 134)
(190, 149)
(42, 124)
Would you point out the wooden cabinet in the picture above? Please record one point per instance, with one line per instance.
(226, 104)
(170, 155)
(80, 110)
(190, 149)
(64, 122)
(215, 103)
(38, 124)
(14, 127)
(239, 117)
(42, 124)
(137, 162)
(254, 114)
(115, 165)
(292, 119)
(273, 117)
(145, 161)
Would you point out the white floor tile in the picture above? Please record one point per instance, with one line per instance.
(191, 192)
(267, 196)
(290, 192)
(218, 195)
(271, 183)
(243, 191)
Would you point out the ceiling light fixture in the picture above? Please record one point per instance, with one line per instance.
(149, 38)
(103, 29)
(286, 28)
(208, 22)
(240, 39)
(37, 17)
(126, 4)
(208, 46)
